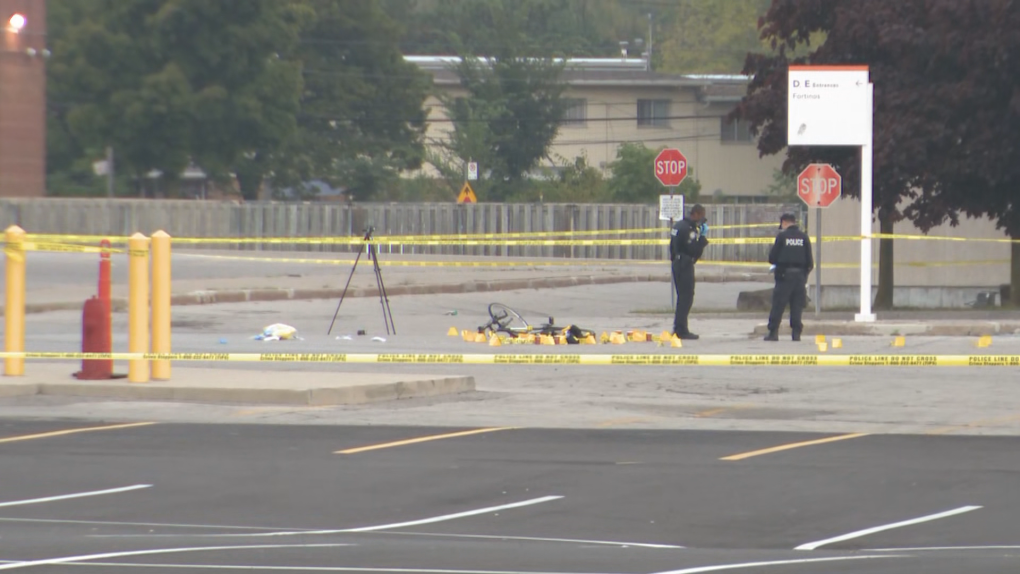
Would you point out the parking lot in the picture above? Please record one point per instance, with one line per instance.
(209, 498)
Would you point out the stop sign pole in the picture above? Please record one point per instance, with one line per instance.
(670, 168)
(818, 186)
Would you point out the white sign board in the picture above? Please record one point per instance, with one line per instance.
(472, 171)
(829, 105)
(671, 207)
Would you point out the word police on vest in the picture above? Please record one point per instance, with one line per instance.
(799, 242)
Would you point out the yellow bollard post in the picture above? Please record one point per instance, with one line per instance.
(161, 303)
(138, 306)
(14, 309)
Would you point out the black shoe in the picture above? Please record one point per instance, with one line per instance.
(687, 336)
(772, 336)
(796, 335)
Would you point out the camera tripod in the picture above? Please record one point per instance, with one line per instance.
(384, 300)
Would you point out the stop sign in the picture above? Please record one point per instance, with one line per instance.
(670, 167)
(819, 185)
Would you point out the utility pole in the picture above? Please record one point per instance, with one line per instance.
(109, 171)
(649, 42)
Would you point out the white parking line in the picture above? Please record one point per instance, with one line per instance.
(933, 548)
(151, 524)
(311, 568)
(78, 495)
(721, 567)
(446, 517)
(91, 557)
(395, 525)
(535, 539)
(867, 531)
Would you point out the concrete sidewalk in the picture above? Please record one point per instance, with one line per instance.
(242, 387)
(925, 328)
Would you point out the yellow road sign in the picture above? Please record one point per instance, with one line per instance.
(467, 195)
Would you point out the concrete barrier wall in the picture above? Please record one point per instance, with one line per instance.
(191, 218)
(920, 263)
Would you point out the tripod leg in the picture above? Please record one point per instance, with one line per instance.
(349, 277)
(384, 299)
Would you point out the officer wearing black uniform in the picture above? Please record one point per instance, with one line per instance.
(686, 244)
(791, 258)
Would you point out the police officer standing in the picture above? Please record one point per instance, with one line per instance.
(686, 244)
(792, 261)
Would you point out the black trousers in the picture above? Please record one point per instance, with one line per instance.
(791, 288)
(683, 282)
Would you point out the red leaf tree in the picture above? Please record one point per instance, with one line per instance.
(947, 106)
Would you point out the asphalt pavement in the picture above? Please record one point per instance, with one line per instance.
(210, 498)
(945, 400)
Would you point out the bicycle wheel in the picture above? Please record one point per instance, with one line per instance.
(506, 319)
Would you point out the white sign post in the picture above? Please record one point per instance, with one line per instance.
(671, 207)
(833, 106)
(472, 171)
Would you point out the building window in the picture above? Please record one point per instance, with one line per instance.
(576, 114)
(653, 113)
(734, 130)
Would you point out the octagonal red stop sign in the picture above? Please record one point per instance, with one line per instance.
(670, 167)
(819, 185)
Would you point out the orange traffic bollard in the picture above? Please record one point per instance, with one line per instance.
(95, 338)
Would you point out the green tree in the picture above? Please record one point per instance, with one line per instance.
(166, 82)
(783, 188)
(550, 27)
(362, 119)
(634, 180)
(945, 112)
(508, 119)
(710, 36)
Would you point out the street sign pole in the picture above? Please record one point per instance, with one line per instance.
(670, 168)
(818, 261)
(866, 315)
(672, 283)
(834, 106)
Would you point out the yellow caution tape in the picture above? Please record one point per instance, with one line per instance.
(569, 262)
(941, 238)
(827, 360)
(67, 248)
(501, 239)
(387, 238)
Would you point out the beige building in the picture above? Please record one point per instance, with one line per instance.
(616, 101)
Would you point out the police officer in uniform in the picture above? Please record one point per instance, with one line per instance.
(686, 244)
(792, 261)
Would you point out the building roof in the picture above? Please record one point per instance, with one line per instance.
(609, 72)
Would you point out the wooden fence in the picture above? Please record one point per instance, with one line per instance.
(212, 219)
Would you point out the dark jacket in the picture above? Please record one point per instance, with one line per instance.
(792, 250)
(686, 239)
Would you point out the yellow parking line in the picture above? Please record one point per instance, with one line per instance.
(420, 439)
(72, 431)
(782, 447)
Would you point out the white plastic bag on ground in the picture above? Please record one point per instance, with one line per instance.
(277, 332)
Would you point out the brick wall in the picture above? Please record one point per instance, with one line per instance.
(22, 101)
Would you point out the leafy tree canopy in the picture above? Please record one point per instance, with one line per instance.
(946, 109)
(169, 81)
(634, 178)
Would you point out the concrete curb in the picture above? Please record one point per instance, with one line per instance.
(849, 328)
(209, 297)
(317, 395)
